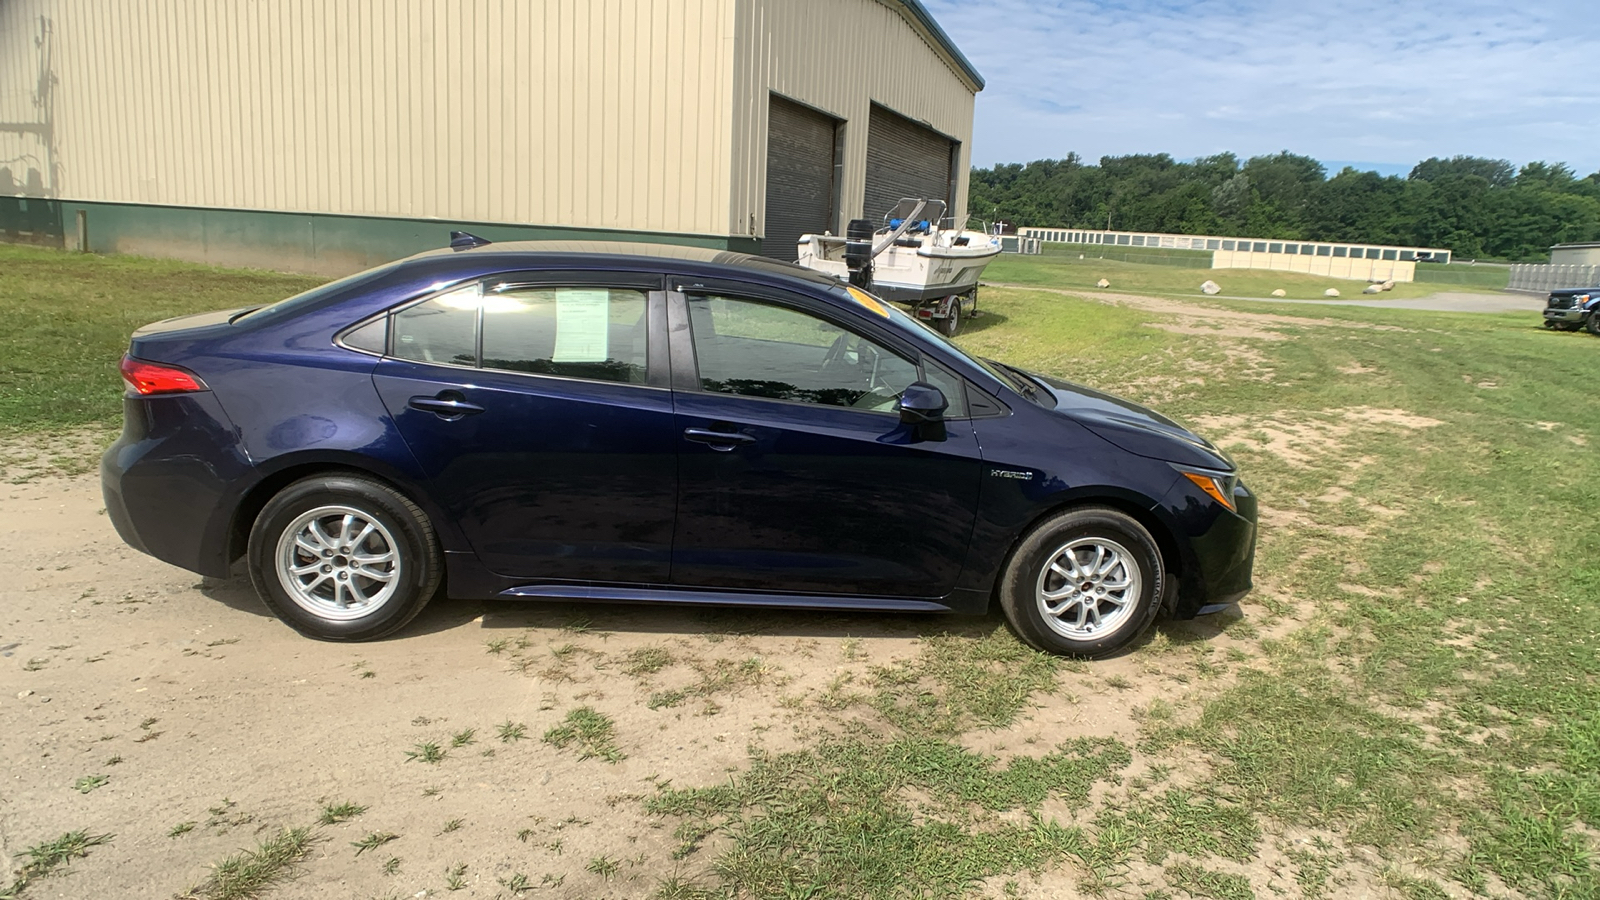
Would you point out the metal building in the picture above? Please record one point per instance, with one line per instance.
(1575, 254)
(329, 135)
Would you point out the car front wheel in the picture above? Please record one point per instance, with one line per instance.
(1594, 323)
(343, 558)
(1084, 582)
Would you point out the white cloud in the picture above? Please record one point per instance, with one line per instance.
(1352, 79)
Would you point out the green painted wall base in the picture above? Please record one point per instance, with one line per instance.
(313, 243)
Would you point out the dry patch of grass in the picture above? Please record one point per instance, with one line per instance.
(49, 858)
(250, 874)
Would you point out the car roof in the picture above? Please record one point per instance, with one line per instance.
(635, 255)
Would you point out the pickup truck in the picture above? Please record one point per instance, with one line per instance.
(1570, 309)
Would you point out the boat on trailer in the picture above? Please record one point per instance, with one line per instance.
(918, 257)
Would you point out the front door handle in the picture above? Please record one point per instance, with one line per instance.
(717, 440)
(448, 405)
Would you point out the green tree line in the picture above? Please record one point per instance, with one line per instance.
(1477, 208)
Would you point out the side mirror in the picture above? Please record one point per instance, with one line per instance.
(922, 404)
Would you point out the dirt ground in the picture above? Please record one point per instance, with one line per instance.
(200, 708)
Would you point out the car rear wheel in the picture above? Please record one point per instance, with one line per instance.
(343, 558)
(1084, 582)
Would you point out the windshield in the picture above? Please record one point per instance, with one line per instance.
(911, 323)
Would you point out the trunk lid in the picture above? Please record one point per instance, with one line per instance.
(194, 320)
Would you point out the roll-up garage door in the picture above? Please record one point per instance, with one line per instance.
(800, 156)
(904, 159)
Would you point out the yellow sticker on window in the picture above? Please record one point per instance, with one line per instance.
(867, 300)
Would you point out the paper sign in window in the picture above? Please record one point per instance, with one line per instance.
(582, 324)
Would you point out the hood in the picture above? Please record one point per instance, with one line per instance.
(1134, 428)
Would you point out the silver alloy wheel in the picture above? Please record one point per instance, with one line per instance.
(338, 563)
(1089, 588)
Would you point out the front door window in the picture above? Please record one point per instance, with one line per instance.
(756, 349)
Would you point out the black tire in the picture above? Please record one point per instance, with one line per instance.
(949, 325)
(401, 535)
(1025, 574)
(1593, 324)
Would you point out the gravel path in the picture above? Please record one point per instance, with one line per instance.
(1447, 301)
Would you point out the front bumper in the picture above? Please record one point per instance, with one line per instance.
(1219, 559)
(1574, 316)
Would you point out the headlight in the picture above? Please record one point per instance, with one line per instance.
(1216, 485)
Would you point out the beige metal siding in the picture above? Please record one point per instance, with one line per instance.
(584, 113)
(839, 56)
(25, 142)
(1579, 255)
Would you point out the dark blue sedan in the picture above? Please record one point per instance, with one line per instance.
(627, 422)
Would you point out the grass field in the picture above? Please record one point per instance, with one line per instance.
(1157, 256)
(1067, 271)
(1408, 707)
(68, 317)
(1493, 278)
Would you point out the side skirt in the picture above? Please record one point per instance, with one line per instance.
(703, 597)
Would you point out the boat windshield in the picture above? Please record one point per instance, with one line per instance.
(924, 211)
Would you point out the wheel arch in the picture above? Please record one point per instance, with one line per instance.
(1137, 507)
(284, 471)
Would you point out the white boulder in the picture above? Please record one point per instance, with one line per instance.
(1331, 292)
(1102, 283)
(1372, 289)
(1210, 287)
(1387, 285)
(1280, 292)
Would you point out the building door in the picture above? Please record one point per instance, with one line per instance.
(801, 146)
(905, 159)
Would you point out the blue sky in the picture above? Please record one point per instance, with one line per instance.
(1376, 84)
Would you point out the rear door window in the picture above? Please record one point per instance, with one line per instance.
(595, 333)
(443, 330)
(575, 332)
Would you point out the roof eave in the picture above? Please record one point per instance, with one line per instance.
(919, 16)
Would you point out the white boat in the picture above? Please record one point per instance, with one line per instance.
(918, 257)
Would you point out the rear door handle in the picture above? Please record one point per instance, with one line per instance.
(449, 405)
(717, 440)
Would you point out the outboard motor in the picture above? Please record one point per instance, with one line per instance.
(858, 252)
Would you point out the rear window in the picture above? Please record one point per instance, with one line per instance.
(310, 299)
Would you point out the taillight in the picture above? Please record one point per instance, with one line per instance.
(154, 378)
